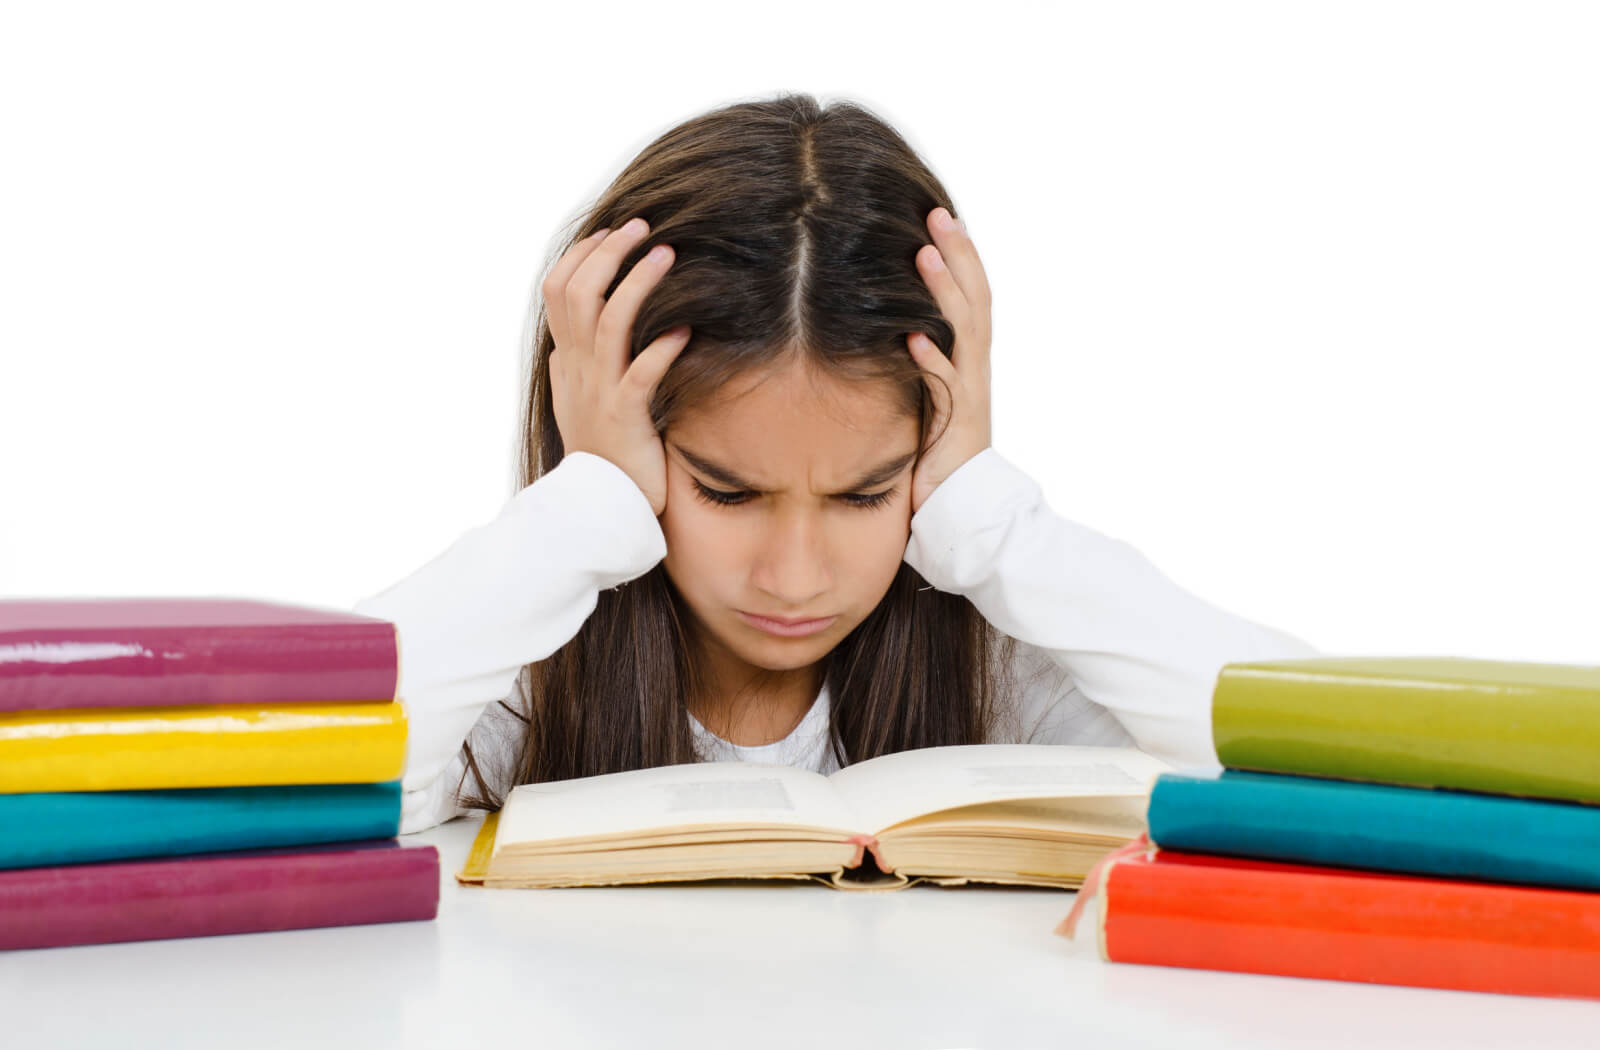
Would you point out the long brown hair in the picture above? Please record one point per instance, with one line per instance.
(795, 229)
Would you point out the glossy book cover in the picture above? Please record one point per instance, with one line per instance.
(50, 828)
(1386, 827)
(339, 884)
(1502, 727)
(136, 652)
(1168, 908)
(234, 745)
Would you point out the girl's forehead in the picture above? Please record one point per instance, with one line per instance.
(755, 426)
(778, 433)
(797, 395)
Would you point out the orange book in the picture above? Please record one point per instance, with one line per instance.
(1167, 908)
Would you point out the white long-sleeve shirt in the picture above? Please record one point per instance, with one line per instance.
(1110, 651)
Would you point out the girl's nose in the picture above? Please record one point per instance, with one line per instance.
(793, 565)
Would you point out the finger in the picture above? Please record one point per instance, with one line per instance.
(953, 304)
(967, 272)
(947, 294)
(960, 256)
(555, 286)
(613, 331)
(926, 353)
(653, 362)
(586, 289)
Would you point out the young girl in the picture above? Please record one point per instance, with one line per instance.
(760, 516)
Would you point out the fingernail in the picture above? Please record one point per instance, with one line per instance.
(634, 225)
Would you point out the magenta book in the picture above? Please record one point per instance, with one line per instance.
(159, 652)
(204, 895)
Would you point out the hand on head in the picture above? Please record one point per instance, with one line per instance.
(601, 399)
(954, 273)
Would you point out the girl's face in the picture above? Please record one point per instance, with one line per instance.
(812, 532)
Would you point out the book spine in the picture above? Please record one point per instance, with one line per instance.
(1527, 740)
(1451, 834)
(201, 746)
(44, 829)
(44, 670)
(1217, 913)
(347, 885)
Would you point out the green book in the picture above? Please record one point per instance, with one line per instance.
(1507, 728)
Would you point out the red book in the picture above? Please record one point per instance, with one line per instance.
(159, 652)
(1207, 912)
(202, 895)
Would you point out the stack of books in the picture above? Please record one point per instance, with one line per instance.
(175, 767)
(1416, 821)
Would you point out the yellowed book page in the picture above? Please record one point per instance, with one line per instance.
(1117, 816)
(691, 796)
(885, 790)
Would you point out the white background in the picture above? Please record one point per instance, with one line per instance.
(1299, 299)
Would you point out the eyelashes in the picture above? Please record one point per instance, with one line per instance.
(733, 499)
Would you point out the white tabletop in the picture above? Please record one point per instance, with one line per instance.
(725, 964)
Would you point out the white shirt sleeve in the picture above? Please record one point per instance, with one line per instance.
(1120, 632)
(504, 594)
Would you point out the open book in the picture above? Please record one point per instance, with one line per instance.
(1026, 814)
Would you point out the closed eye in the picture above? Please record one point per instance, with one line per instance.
(866, 501)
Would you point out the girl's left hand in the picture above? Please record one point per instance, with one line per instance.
(953, 272)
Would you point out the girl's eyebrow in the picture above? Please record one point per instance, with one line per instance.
(883, 472)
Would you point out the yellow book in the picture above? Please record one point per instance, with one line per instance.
(201, 745)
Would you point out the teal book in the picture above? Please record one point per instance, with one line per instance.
(52, 828)
(1338, 823)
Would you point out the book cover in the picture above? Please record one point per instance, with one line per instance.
(1337, 823)
(142, 652)
(339, 884)
(1168, 908)
(44, 829)
(201, 745)
(1500, 727)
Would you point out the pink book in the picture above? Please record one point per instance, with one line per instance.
(203, 895)
(159, 652)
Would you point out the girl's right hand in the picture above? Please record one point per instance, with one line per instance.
(601, 400)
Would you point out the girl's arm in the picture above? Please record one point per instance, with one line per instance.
(504, 594)
(1129, 639)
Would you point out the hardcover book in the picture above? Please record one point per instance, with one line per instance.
(201, 745)
(143, 652)
(50, 828)
(338, 884)
(1424, 831)
(1500, 727)
(1024, 814)
(1168, 908)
